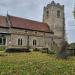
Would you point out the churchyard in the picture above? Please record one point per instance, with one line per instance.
(35, 63)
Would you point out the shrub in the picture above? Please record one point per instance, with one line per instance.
(44, 50)
(35, 49)
(51, 52)
(62, 54)
(17, 50)
(2, 48)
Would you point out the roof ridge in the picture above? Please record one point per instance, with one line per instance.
(26, 19)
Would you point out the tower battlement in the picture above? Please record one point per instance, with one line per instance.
(54, 4)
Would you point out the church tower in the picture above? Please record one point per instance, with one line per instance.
(53, 15)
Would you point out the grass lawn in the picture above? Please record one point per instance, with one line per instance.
(35, 63)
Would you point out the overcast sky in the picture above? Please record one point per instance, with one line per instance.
(33, 9)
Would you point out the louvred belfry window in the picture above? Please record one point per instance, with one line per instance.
(47, 14)
(58, 14)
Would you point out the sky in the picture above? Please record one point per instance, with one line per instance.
(33, 9)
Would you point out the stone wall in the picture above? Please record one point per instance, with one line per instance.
(43, 39)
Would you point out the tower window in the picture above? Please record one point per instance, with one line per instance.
(34, 42)
(58, 14)
(47, 14)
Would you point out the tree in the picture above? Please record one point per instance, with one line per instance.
(62, 52)
(74, 13)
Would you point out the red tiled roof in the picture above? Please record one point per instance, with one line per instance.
(2, 21)
(17, 22)
(29, 24)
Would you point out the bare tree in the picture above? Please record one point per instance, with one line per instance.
(62, 52)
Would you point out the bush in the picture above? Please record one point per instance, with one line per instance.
(44, 50)
(51, 52)
(36, 49)
(17, 50)
(2, 48)
(62, 54)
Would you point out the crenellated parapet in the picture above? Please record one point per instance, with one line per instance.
(54, 4)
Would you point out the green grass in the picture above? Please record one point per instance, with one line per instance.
(35, 63)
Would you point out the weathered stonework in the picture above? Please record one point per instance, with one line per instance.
(54, 16)
(43, 39)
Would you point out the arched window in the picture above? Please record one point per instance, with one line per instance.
(58, 14)
(34, 42)
(19, 41)
(47, 14)
(2, 40)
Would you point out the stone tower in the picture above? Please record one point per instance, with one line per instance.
(53, 15)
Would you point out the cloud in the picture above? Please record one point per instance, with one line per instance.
(23, 8)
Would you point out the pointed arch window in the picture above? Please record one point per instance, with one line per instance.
(20, 41)
(34, 42)
(58, 14)
(47, 13)
(2, 40)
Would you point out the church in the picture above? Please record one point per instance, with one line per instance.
(18, 33)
